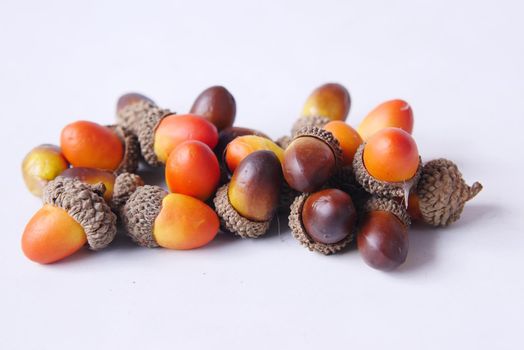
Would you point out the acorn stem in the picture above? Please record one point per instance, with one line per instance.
(474, 190)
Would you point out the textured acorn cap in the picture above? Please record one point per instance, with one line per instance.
(388, 205)
(344, 179)
(299, 232)
(85, 204)
(378, 187)
(140, 212)
(125, 185)
(325, 136)
(146, 134)
(129, 163)
(283, 141)
(302, 122)
(232, 221)
(443, 192)
(129, 116)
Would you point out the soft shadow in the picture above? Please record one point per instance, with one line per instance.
(152, 176)
(221, 240)
(422, 248)
(279, 227)
(475, 213)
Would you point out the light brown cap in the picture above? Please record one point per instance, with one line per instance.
(86, 205)
(125, 185)
(129, 163)
(314, 120)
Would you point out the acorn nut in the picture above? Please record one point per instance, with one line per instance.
(248, 203)
(311, 159)
(217, 105)
(323, 221)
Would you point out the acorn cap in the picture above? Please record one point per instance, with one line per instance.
(146, 133)
(388, 205)
(283, 141)
(443, 192)
(378, 187)
(125, 185)
(232, 221)
(140, 212)
(129, 116)
(86, 205)
(325, 136)
(344, 179)
(314, 120)
(129, 163)
(299, 232)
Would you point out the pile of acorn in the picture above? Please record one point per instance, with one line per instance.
(335, 182)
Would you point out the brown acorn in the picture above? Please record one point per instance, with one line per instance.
(323, 221)
(441, 193)
(311, 159)
(248, 203)
(217, 105)
(382, 238)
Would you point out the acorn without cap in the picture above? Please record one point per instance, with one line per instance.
(248, 203)
(382, 238)
(323, 221)
(74, 213)
(441, 193)
(311, 159)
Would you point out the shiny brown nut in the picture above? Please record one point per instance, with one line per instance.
(308, 164)
(383, 240)
(329, 216)
(254, 189)
(329, 100)
(217, 105)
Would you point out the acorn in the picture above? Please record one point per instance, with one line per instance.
(323, 221)
(248, 203)
(142, 117)
(131, 157)
(441, 193)
(73, 213)
(154, 218)
(217, 105)
(311, 159)
(393, 156)
(382, 238)
(125, 185)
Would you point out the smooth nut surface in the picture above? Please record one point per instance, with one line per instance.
(329, 216)
(308, 164)
(217, 105)
(41, 165)
(254, 189)
(383, 240)
(129, 99)
(329, 100)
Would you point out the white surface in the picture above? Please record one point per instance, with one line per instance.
(460, 65)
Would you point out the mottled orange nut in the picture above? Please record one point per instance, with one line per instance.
(129, 99)
(329, 100)
(254, 190)
(192, 169)
(217, 105)
(394, 113)
(227, 135)
(347, 137)
(184, 222)
(90, 145)
(175, 129)
(93, 176)
(242, 146)
(52, 235)
(391, 155)
(41, 165)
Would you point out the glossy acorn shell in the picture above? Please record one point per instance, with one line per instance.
(217, 105)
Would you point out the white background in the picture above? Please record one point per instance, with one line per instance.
(459, 63)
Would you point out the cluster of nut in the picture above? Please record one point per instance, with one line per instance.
(334, 181)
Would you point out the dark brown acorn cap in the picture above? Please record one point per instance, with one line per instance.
(344, 179)
(314, 120)
(325, 136)
(140, 212)
(283, 141)
(125, 185)
(86, 205)
(378, 187)
(129, 163)
(299, 232)
(232, 221)
(389, 205)
(443, 192)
